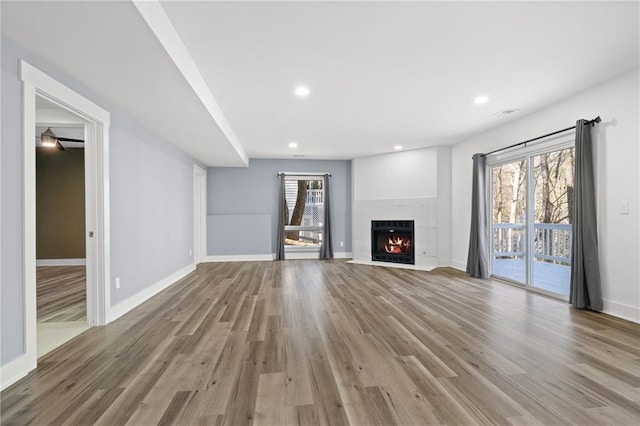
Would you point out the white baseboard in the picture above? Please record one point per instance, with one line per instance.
(394, 265)
(343, 255)
(461, 266)
(241, 258)
(115, 312)
(15, 370)
(264, 257)
(621, 310)
(61, 262)
(296, 255)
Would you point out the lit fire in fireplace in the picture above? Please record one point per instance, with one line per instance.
(397, 245)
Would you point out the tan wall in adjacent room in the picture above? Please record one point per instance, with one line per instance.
(60, 204)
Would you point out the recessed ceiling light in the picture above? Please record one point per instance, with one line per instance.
(48, 138)
(397, 147)
(302, 91)
(293, 145)
(481, 100)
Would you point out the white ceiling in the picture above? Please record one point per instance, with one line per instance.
(380, 73)
(108, 48)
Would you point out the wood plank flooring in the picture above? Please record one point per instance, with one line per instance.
(332, 343)
(61, 293)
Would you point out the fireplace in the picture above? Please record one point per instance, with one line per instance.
(392, 241)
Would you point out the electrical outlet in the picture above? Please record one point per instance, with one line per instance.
(624, 208)
(190, 253)
(117, 283)
(341, 243)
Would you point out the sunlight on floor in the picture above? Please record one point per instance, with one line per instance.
(53, 334)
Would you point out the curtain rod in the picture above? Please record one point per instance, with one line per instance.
(302, 174)
(595, 120)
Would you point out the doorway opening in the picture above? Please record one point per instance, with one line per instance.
(39, 88)
(61, 294)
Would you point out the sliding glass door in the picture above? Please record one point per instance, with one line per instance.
(552, 209)
(531, 219)
(509, 227)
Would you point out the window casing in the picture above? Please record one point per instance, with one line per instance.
(304, 196)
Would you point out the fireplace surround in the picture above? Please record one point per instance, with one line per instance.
(392, 241)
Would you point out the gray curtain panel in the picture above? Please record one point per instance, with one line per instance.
(585, 291)
(281, 219)
(478, 257)
(326, 249)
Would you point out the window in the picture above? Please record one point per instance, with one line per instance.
(304, 213)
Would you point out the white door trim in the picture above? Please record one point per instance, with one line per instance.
(37, 83)
(199, 214)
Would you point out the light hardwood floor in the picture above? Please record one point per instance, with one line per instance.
(327, 342)
(61, 293)
(61, 305)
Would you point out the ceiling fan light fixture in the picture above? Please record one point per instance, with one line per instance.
(48, 138)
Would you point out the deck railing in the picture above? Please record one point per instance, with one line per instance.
(551, 241)
(314, 196)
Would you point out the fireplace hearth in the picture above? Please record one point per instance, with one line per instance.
(392, 241)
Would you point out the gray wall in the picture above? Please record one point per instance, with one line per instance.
(253, 192)
(60, 212)
(151, 203)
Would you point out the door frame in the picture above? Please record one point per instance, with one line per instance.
(199, 214)
(37, 83)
